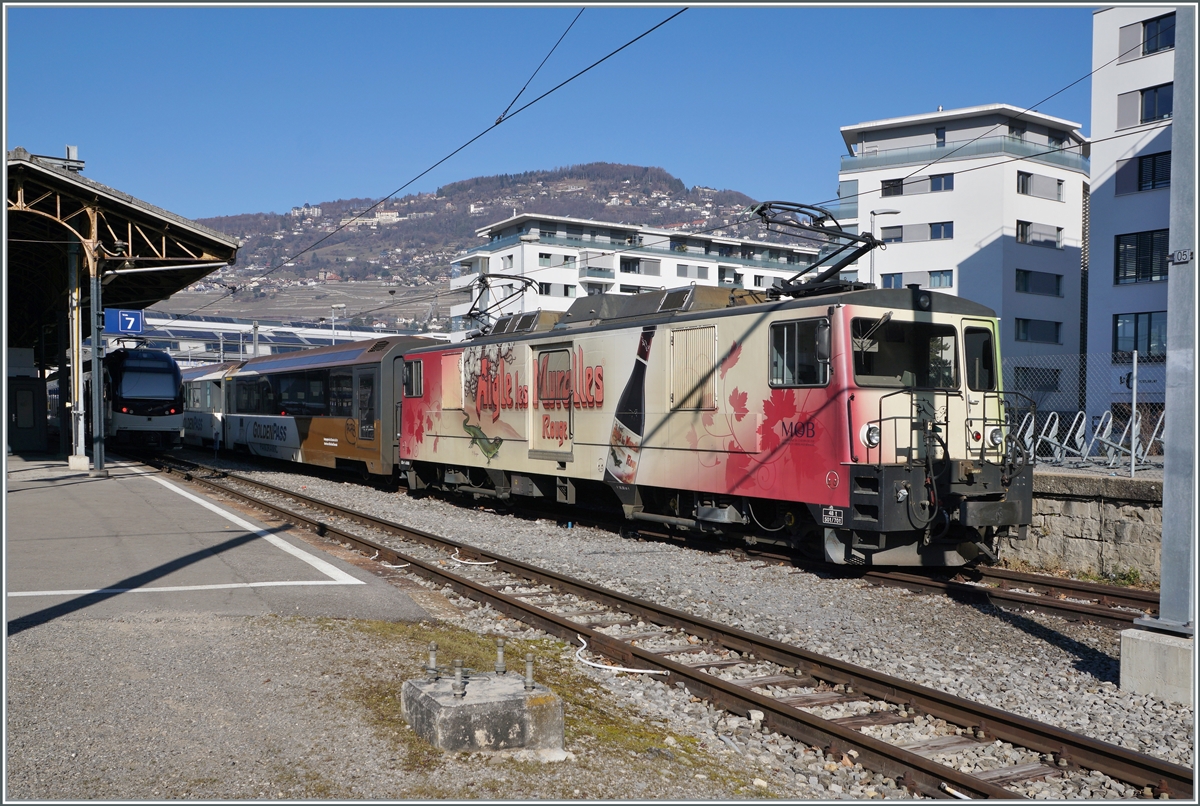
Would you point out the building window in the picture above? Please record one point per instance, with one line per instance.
(893, 187)
(631, 289)
(1157, 102)
(1039, 234)
(1056, 139)
(694, 272)
(543, 259)
(941, 279)
(506, 262)
(1039, 330)
(1060, 188)
(941, 231)
(1016, 131)
(1154, 171)
(1141, 257)
(1158, 34)
(1144, 332)
(1024, 183)
(759, 281)
(1035, 379)
(544, 289)
(940, 182)
(891, 280)
(891, 234)
(1039, 282)
(569, 290)
(940, 134)
(569, 262)
(631, 265)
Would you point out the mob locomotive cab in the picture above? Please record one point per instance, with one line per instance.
(864, 426)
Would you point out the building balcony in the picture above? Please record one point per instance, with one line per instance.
(600, 274)
(967, 149)
(652, 250)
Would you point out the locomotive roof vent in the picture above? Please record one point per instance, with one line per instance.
(377, 346)
(503, 325)
(526, 322)
(677, 299)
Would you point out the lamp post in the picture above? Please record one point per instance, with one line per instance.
(334, 309)
(873, 214)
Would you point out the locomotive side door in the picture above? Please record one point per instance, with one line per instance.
(552, 433)
(982, 369)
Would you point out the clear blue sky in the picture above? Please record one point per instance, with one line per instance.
(225, 110)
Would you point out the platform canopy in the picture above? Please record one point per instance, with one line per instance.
(142, 253)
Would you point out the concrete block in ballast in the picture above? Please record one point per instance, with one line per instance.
(497, 712)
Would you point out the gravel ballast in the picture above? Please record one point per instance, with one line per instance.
(1034, 665)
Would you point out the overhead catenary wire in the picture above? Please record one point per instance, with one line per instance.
(485, 131)
(500, 119)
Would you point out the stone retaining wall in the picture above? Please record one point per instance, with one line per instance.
(1097, 524)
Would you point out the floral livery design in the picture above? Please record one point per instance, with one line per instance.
(768, 448)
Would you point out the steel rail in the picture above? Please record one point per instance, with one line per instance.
(1000, 597)
(1068, 749)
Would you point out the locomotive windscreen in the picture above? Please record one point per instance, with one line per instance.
(161, 385)
(905, 354)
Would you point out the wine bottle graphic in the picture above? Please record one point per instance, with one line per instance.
(629, 421)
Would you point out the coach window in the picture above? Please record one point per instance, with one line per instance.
(315, 402)
(794, 358)
(981, 359)
(364, 395)
(341, 401)
(247, 396)
(414, 379)
(292, 393)
(268, 394)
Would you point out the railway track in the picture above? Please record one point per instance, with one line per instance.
(784, 684)
(1110, 606)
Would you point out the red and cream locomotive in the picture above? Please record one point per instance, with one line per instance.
(865, 426)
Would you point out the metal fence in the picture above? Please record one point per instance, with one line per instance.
(1103, 412)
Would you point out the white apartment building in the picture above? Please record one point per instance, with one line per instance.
(1130, 202)
(985, 202)
(555, 259)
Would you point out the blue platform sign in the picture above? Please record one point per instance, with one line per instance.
(118, 321)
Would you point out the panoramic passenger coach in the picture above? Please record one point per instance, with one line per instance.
(333, 406)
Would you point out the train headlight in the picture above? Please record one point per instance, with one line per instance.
(924, 301)
(995, 436)
(871, 436)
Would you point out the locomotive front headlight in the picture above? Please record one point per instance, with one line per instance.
(871, 436)
(995, 436)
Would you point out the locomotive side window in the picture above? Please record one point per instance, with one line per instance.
(414, 379)
(554, 378)
(341, 395)
(916, 355)
(795, 360)
(981, 359)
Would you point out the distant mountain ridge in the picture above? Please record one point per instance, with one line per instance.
(413, 239)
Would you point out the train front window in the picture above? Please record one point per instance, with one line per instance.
(148, 385)
(917, 355)
(981, 359)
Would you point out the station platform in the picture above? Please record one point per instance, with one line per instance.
(137, 541)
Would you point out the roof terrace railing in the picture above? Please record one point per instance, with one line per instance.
(967, 149)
